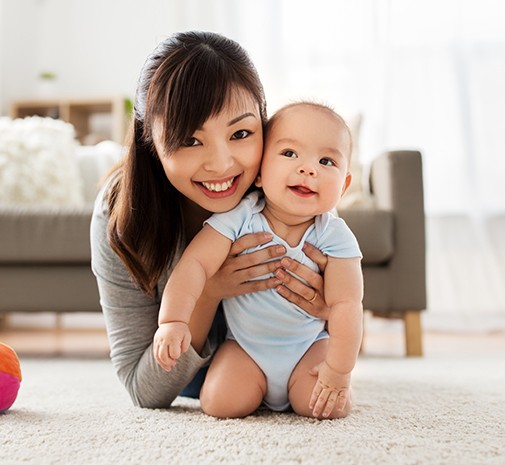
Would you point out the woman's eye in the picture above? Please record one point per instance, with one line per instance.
(289, 154)
(326, 162)
(242, 134)
(191, 142)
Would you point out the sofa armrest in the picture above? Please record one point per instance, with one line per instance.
(45, 235)
(396, 183)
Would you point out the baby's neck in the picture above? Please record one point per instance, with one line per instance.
(289, 227)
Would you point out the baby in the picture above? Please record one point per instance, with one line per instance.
(275, 352)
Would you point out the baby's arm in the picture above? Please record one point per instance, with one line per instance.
(201, 259)
(343, 287)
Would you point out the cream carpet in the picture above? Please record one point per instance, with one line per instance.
(445, 410)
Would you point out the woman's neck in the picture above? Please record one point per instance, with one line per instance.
(193, 217)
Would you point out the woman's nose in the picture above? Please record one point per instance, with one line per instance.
(219, 159)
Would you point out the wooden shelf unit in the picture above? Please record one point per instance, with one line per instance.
(78, 112)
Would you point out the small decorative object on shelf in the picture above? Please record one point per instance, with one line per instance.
(46, 86)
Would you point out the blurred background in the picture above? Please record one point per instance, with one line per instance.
(418, 74)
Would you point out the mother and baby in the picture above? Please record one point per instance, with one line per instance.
(222, 273)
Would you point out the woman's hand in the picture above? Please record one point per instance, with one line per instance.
(235, 275)
(232, 279)
(309, 297)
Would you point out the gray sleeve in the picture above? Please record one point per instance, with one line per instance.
(131, 319)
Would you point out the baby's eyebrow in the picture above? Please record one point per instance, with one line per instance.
(326, 150)
(334, 151)
(240, 118)
(286, 140)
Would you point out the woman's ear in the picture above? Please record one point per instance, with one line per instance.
(257, 181)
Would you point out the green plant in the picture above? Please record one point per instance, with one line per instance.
(47, 75)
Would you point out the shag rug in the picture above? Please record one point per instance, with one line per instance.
(444, 410)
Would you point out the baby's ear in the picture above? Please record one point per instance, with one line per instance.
(347, 182)
(257, 181)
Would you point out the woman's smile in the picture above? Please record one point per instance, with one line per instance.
(219, 188)
(221, 160)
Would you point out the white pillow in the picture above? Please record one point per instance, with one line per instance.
(357, 195)
(95, 162)
(38, 165)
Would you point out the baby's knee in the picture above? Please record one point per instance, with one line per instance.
(226, 402)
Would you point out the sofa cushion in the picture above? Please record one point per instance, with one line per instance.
(38, 165)
(61, 235)
(374, 230)
(45, 234)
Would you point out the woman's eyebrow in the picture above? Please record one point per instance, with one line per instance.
(241, 117)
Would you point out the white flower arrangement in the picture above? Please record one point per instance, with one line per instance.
(38, 165)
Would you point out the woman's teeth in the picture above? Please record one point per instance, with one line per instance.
(218, 186)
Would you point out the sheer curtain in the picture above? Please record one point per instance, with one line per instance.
(423, 74)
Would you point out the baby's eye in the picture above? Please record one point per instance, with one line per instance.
(242, 134)
(191, 142)
(289, 154)
(327, 162)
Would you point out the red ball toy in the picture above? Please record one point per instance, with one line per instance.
(10, 376)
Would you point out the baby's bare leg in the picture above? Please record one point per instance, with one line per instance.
(302, 383)
(234, 386)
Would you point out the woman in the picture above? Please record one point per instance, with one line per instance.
(195, 149)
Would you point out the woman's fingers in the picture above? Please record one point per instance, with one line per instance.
(303, 287)
(259, 256)
(239, 273)
(248, 241)
(258, 285)
(314, 280)
(316, 255)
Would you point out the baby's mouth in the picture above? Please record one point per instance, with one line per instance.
(302, 190)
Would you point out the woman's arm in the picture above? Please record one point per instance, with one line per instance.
(131, 319)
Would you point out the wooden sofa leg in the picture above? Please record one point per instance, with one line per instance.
(413, 333)
(3, 321)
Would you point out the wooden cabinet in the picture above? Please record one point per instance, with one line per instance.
(93, 119)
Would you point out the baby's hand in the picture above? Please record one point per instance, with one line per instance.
(170, 341)
(332, 390)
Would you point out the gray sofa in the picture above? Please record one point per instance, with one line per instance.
(45, 257)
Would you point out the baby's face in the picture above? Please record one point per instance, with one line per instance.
(305, 167)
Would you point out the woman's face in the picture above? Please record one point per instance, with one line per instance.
(216, 166)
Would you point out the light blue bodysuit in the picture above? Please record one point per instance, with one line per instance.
(273, 331)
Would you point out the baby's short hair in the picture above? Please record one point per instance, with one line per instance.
(319, 106)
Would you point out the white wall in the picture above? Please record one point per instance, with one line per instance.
(17, 36)
(95, 47)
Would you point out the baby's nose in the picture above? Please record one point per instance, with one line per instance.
(307, 169)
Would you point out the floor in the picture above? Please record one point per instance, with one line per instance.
(381, 339)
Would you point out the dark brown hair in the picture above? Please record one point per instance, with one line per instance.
(187, 79)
